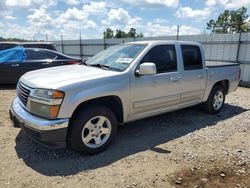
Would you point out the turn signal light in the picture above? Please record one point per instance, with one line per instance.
(58, 95)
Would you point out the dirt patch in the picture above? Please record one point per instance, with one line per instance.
(212, 175)
(188, 144)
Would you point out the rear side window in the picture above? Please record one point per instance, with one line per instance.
(60, 57)
(36, 55)
(164, 57)
(191, 57)
(45, 46)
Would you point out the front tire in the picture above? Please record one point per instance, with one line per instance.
(215, 100)
(92, 130)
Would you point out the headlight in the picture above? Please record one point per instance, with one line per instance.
(48, 94)
(45, 103)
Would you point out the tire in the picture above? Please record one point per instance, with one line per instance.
(216, 100)
(92, 130)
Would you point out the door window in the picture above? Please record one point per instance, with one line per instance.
(164, 57)
(191, 57)
(36, 55)
(45, 46)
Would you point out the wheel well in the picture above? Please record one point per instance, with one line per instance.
(112, 102)
(224, 84)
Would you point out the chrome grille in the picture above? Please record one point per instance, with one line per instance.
(23, 93)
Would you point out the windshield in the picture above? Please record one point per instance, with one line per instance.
(117, 57)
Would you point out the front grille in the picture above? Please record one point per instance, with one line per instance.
(23, 93)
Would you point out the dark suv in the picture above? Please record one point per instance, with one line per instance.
(45, 45)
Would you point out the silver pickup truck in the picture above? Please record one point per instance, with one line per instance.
(81, 106)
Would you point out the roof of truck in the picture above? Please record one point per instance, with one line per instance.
(153, 42)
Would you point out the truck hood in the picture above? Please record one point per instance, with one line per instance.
(56, 77)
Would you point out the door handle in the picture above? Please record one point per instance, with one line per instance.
(47, 63)
(200, 76)
(15, 65)
(175, 78)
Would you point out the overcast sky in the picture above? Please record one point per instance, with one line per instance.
(37, 18)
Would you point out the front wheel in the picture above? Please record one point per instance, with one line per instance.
(92, 130)
(215, 100)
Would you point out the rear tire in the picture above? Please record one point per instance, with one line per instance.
(216, 100)
(92, 130)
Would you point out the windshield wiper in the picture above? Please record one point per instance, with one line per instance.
(84, 63)
(106, 67)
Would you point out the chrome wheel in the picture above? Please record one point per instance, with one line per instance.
(218, 100)
(96, 132)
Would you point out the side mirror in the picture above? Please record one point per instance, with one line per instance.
(147, 68)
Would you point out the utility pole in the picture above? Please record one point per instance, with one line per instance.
(46, 37)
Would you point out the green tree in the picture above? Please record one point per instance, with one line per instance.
(239, 20)
(120, 34)
(140, 35)
(13, 39)
(211, 25)
(230, 22)
(108, 34)
(132, 33)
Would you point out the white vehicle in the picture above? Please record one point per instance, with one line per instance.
(81, 106)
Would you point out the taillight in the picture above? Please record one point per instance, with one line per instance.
(73, 63)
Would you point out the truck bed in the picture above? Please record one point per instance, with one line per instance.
(211, 64)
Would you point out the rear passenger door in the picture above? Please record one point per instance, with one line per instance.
(193, 75)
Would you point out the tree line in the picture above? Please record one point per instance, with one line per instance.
(234, 21)
(109, 33)
(13, 39)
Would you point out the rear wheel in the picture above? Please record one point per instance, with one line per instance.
(215, 100)
(92, 130)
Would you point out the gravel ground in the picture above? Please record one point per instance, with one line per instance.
(186, 148)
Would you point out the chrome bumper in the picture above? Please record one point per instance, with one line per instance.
(34, 122)
(51, 133)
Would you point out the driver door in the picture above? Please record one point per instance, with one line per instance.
(154, 94)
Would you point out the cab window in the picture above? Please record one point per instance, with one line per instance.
(191, 57)
(163, 56)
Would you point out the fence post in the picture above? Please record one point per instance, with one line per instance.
(80, 46)
(104, 43)
(62, 43)
(177, 34)
(238, 49)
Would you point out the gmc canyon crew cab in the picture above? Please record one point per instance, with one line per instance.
(81, 106)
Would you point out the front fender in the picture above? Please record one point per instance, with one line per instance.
(75, 97)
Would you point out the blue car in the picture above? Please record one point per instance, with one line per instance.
(17, 61)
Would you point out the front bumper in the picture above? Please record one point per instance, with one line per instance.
(51, 133)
